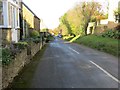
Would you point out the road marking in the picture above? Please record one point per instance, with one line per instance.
(105, 72)
(74, 50)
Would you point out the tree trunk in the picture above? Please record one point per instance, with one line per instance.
(86, 29)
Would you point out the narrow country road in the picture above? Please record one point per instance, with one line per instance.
(69, 65)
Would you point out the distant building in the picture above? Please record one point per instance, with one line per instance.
(113, 5)
(91, 28)
(42, 25)
(113, 19)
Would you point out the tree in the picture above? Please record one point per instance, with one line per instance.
(65, 22)
(87, 10)
(117, 14)
(76, 20)
(45, 30)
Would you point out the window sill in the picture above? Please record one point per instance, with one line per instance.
(9, 27)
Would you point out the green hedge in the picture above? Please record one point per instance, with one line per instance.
(108, 45)
(49, 38)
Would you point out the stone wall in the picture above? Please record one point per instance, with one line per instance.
(102, 28)
(11, 70)
(21, 59)
(112, 25)
(0, 37)
(34, 48)
(99, 29)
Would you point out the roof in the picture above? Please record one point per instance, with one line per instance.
(30, 10)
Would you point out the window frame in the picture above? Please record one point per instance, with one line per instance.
(2, 16)
(7, 23)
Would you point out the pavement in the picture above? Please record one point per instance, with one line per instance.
(69, 65)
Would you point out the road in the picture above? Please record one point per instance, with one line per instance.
(69, 65)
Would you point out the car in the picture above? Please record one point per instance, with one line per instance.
(60, 36)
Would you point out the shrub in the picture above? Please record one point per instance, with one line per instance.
(49, 38)
(7, 56)
(36, 40)
(111, 33)
(35, 34)
(21, 45)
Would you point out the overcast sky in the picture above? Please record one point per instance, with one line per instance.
(50, 10)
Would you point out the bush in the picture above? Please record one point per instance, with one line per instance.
(36, 40)
(49, 38)
(7, 56)
(35, 34)
(21, 45)
(112, 34)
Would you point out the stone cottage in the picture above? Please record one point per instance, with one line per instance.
(28, 21)
(9, 20)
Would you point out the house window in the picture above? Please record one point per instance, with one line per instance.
(13, 17)
(1, 12)
(10, 15)
(17, 13)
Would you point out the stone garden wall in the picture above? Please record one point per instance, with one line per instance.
(21, 59)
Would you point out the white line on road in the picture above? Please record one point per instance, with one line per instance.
(105, 72)
(74, 50)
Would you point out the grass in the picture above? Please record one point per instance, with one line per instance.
(24, 78)
(108, 45)
(75, 38)
(68, 38)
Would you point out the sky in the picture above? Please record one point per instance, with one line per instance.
(51, 10)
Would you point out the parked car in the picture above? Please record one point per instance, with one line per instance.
(60, 36)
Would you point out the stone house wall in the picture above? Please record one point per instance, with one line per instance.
(36, 23)
(6, 35)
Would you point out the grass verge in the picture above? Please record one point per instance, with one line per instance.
(100, 43)
(24, 78)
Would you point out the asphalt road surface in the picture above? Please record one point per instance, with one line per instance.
(69, 65)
